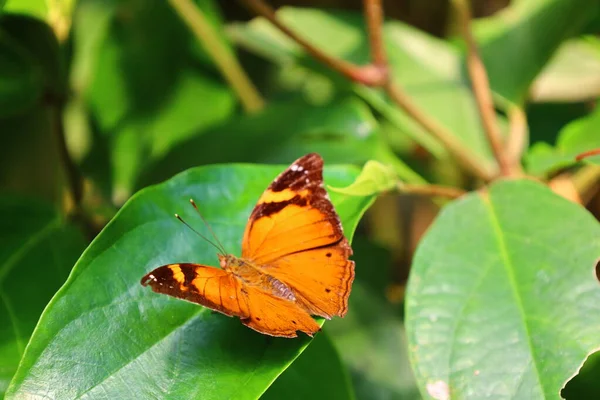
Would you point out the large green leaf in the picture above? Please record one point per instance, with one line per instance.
(147, 82)
(503, 299)
(427, 68)
(105, 335)
(37, 251)
(320, 365)
(344, 131)
(517, 42)
(577, 137)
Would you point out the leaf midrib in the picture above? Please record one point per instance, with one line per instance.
(509, 267)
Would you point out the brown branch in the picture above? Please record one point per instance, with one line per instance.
(374, 18)
(376, 74)
(517, 136)
(481, 88)
(369, 75)
(462, 155)
(431, 190)
(587, 154)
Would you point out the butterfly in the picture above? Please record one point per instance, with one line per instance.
(294, 261)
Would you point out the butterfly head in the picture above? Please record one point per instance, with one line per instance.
(229, 261)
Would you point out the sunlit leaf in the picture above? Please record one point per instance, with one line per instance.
(503, 299)
(374, 178)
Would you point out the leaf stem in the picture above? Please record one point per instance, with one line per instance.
(481, 88)
(376, 74)
(222, 55)
(374, 18)
(430, 190)
(587, 154)
(517, 136)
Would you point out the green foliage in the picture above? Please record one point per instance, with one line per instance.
(577, 137)
(37, 252)
(124, 98)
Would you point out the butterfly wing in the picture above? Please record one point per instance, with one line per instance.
(275, 316)
(295, 235)
(211, 287)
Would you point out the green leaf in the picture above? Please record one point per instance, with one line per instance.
(503, 299)
(148, 83)
(375, 178)
(37, 251)
(517, 42)
(104, 334)
(427, 68)
(370, 338)
(34, 8)
(343, 131)
(577, 137)
(319, 365)
(573, 74)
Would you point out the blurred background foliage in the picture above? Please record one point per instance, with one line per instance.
(100, 98)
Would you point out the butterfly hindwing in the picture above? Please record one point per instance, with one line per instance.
(275, 316)
(211, 287)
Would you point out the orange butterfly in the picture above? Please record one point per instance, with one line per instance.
(294, 261)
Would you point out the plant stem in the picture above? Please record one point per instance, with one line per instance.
(481, 88)
(587, 154)
(369, 75)
(430, 190)
(463, 155)
(517, 136)
(221, 54)
(375, 74)
(374, 18)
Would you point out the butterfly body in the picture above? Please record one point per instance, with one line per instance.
(294, 261)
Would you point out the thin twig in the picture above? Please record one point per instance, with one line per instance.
(221, 54)
(431, 190)
(462, 155)
(587, 154)
(369, 75)
(374, 18)
(517, 137)
(481, 88)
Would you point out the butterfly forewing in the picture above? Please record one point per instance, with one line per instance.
(208, 286)
(295, 235)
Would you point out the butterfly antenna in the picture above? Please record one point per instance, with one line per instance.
(197, 233)
(193, 203)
